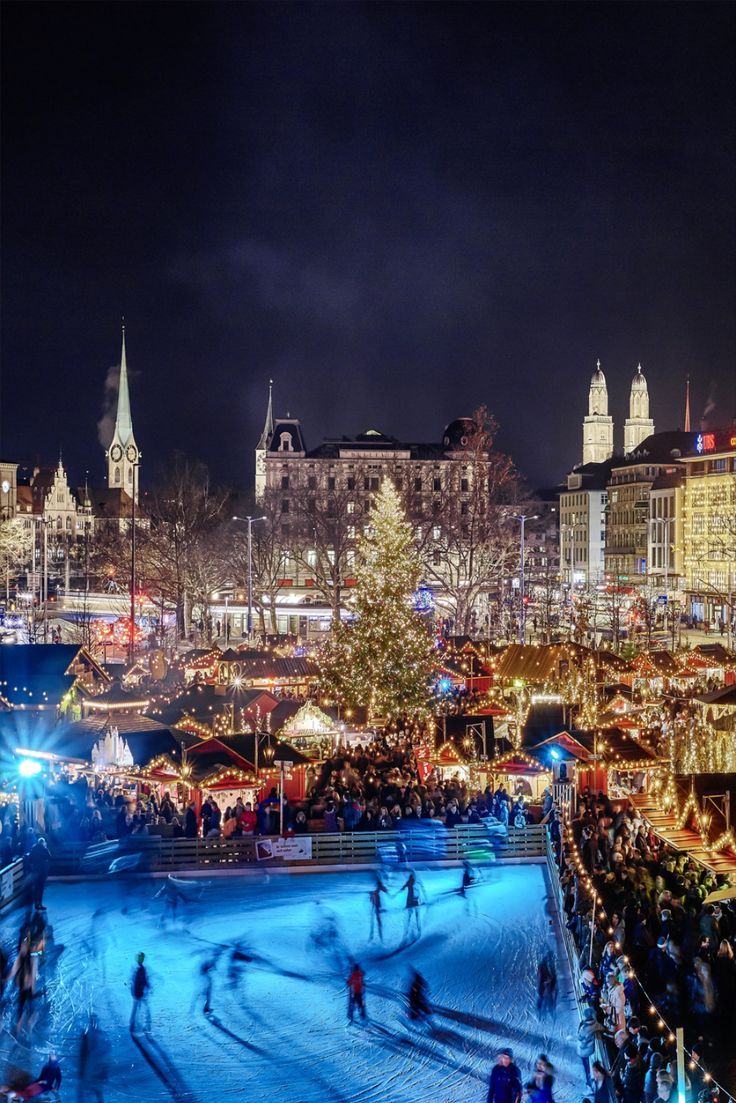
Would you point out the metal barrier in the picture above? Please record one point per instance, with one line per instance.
(153, 853)
(12, 880)
(573, 954)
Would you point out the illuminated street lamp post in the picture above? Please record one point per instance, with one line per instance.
(250, 521)
(131, 642)
(283, 764)
(523, 518)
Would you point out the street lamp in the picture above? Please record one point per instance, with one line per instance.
(283, 764)
(250, 521)
(523, 518)
(131, 642)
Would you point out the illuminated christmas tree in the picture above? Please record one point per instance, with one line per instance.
(384, 658)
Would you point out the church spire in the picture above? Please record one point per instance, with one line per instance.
(263, 446)
(123, 456)
(123, 421)
(268, 425)
(687, 405)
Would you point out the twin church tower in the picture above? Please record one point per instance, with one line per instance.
(598, 425)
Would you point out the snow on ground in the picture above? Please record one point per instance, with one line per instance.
(279, 1029)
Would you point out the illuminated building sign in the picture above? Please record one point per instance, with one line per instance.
(706, 442)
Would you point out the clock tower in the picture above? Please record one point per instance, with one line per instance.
(123, 456)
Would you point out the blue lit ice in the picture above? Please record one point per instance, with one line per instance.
(278, 1029)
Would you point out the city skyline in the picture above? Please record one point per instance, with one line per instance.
(396, 212)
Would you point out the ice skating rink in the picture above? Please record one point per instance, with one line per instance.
(277, 1029)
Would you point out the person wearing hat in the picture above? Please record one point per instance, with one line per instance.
(140, 987)
(505, 1082)
(587, 1031)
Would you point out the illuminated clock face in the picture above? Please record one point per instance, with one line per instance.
(132, 453)
(116, 452)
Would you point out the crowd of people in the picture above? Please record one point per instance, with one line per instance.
(654, 955)
(375, 787)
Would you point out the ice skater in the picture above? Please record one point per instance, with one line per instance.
(236, 966)
(39, 864)
(419, 1006)
(469, 881)
(412, 904)
(505, 1082)
(49, 1080)
(93, 1062)
(546, 984)
(377, 907)
(25, 975)
(140, 987)
(207, 977)
(356, 992)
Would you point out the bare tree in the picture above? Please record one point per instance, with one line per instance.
(270, 559)
(465, 533)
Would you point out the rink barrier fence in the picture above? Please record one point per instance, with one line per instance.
(12, 881)
(355, 848)
(573, 954)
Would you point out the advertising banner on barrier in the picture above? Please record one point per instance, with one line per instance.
(292, 849)
(6, 883)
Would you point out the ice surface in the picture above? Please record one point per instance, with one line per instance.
(278, 1031)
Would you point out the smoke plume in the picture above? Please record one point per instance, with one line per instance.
(106, 424)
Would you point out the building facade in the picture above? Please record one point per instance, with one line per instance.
(628, 516)
(582, 533)
(709, 528)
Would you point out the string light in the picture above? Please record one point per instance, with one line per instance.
(662, 1024)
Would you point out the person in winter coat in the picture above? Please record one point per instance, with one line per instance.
(419, 1006)
(601, 1083)
(331, 818)
(93, 1062)
(587, 1031)
(39, 864)
(356, 992)
(190, 822)
(505, 1082)
(614, 1001)
(49, 1080)
(140, 987)
(632, 1075)
(650, 1077)
(248, 820)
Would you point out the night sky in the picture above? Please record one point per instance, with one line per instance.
(396, 211)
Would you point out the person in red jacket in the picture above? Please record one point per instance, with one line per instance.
(356, 992)
(248, 820)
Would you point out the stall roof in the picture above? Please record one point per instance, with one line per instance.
(516, 762)
(666, 826)
(616, 745)
(35, 674)
(725, 696)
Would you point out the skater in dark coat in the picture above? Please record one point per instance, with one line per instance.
(419, 1006)
(93, 1062)
(377, 907)
(412, 903)
(39, 864)
(49, 1080)
(140, 987)
(356, 992)
(546, 984)
(505, 1083)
